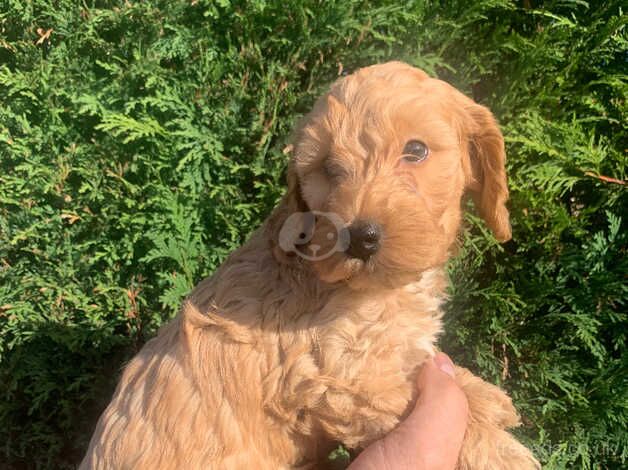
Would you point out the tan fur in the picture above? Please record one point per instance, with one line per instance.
(275, 358)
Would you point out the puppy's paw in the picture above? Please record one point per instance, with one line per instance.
(488, 404)
(489, 448)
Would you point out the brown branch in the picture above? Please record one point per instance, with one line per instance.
(607, 179)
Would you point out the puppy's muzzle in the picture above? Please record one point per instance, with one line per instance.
(364, 239)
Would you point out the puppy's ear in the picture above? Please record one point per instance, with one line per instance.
(486, 177)
(291, 203)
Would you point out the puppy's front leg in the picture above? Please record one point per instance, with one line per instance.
(487, 445)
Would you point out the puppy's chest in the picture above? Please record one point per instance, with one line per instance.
(361, 367)
(359, 348)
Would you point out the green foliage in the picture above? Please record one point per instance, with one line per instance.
(140, 142)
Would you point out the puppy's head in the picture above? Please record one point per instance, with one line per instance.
(378, 170)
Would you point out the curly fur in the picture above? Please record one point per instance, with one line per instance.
(274, 358)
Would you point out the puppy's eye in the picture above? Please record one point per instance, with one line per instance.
(415, 151)
(334, 170)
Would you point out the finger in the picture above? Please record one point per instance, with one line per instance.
(436, 426)
(436, 373)
(444, 363)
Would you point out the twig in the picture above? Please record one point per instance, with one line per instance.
(608, 179)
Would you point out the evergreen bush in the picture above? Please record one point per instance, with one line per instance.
(141, 141)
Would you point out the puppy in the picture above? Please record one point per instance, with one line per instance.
(314, 330)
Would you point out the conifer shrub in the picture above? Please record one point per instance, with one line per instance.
(140, 142)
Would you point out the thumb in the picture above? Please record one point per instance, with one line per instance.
(439, 419)
(437, 374)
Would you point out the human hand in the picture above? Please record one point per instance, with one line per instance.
(430, 438)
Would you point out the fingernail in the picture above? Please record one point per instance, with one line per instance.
(444, 363)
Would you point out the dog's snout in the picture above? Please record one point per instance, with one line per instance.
(364, 238)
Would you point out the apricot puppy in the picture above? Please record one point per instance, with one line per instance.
(313, 331)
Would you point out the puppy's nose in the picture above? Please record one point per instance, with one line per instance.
(364, 237)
